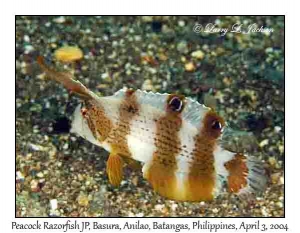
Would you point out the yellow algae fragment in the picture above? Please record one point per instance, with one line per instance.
(68, 54)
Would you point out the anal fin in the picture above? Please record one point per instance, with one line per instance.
(114, 169)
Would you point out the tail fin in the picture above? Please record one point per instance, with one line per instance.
(246, 175)
(66, 79)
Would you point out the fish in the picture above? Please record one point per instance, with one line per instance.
(175, 138)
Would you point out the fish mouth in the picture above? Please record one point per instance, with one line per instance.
(81, 127)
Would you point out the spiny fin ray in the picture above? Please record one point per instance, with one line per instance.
(66, 79)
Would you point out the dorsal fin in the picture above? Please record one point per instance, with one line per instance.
(121, 93)
(156, 100)
(67, 79)
(192, 113)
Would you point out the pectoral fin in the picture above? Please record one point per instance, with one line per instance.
(114, 169)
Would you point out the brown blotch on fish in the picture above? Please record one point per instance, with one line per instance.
(202, 176)
(99, 123)
(161, 172)
(213, 125)
(129, 107)
(238, 172)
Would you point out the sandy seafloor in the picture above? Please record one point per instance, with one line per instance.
(60, 174)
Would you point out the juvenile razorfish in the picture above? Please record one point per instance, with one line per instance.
(174, 137)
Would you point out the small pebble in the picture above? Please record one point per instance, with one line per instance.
(182, 47)
(264, 143)
(189, 67)
(83, 200)
(135, 180)
(275, 177)
(20, 176)
(53, 204)
(279, 204)
(272, 161)
(147, 85)
(130, 214)
(68, 54)
(28, 48)
(23, 64)
(281, 180)
(34, 185)
(40, 175)
(198, 54)
(140, 215)
(75, 214)
(264, 211)
(26, 38)
(80, 177)
(269, 50)
(75, 184)
(181, 23)
(174, 207)
(281, 148)
(159, 207)
(60, 19)
(18, 65)
(66, 146)
(104, 75)
(147, 19)
(152, 70)
(277, 129)
(138, 38)
(37, 147)
(215, 210)
(227, 81)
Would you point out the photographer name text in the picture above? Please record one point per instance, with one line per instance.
(236, 28)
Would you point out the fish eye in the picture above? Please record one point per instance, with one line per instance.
(175, 104)
(84, 112)
(216, 125)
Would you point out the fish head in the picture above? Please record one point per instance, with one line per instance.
(81, 126)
